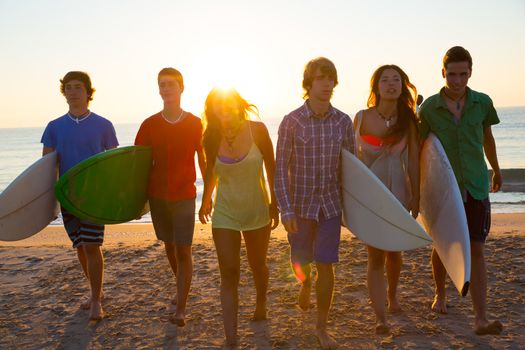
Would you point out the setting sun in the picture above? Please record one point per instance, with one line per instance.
(225, 68)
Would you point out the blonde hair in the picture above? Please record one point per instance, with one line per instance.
(212, 133)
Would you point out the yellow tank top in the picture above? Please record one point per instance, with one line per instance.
(241, 199)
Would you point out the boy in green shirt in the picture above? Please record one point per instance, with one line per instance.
(461, 118)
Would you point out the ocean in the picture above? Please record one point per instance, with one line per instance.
(20, 147)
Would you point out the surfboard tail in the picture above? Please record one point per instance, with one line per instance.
(464, 290)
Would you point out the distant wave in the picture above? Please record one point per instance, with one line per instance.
(513, 180)
(508, 202)
(512, 175)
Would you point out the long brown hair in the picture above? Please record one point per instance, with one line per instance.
(406, 103)
(212, 134)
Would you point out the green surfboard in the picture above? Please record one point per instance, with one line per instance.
(107, 188)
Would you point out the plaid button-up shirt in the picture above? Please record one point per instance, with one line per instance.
(308, 169)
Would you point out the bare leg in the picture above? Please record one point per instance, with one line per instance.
(324, 291)
(95, 269)
(172, 258)
(376, 287)
(86, 304)
(394, 260)
(228, 245)
(184, 264)
(478, 292)
(82, 259)
(256, 249)
(438, 271)
(304, 274)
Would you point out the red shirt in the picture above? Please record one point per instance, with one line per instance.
(172, 174)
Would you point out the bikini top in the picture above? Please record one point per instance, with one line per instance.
(387, 158)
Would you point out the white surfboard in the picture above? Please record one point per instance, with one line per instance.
(443, 213)
(373, 213)
(28, 204)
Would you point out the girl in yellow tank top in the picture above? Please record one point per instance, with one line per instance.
(241, 200)
(236, 150)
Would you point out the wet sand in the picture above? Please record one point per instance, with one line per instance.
(42, 286)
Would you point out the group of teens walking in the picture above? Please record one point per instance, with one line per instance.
(303, 182)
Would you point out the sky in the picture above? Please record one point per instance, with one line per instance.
(258, 47)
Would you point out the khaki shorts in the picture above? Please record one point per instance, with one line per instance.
(174, 221)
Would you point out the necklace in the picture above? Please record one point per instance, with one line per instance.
(458, 100)
(229, 142)
(80, 118)
(388, 120)
(230, 139)
(172, 121)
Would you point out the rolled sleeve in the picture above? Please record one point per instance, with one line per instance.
(492, 116)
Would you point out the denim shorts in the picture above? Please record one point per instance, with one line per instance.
(315, 241)
(173, 221)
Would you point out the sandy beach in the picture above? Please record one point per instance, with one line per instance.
(41, 289)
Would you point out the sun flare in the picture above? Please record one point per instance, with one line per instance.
(228, 68)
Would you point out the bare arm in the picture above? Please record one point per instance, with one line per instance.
(209, 184)
(356, 122)
(47, 150)
(264, 142)
(489, 146)
(413, 168)
(201, 159)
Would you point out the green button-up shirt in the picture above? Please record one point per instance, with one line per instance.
(462, 139)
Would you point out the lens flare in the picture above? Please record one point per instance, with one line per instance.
(299, 273)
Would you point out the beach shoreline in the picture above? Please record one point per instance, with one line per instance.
(42, 287)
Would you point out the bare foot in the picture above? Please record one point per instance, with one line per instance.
(231, 343)
(394, 307)
(260, 313)
(230, 346)
(440, 304)
(486, 327)
(382, 328)
(325, 340)
(86, 304)
(96, 313)
(178, 319)
(304, 296)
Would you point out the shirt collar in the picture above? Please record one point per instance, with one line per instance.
(471, 99)
(310, 114)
